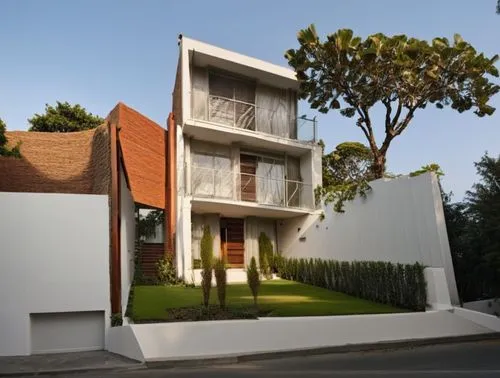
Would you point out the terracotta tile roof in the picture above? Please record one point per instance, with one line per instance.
(57, 162)
(143, 144)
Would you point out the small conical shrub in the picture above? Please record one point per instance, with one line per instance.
(206, 248)
(206, 263)
(253, 279)
(221, 280)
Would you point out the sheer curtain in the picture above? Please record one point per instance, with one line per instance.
(199, 95)
(294, 186)
(275, 111)
(211, 171)
(270, 181)
(231, 101)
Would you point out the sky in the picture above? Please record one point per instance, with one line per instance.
(97, 53)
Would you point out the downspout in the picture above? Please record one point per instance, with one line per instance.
(171, 187)
(115, 259)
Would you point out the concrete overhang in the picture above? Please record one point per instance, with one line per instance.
(205, 55)
(239, 209)
(217, 133)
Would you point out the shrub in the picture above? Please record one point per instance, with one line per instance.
(165, 271)
(399, 285)
(206, 263)
(253, 279)
(206, 248)
(116, 320)
(221, 280)
(265, 270)
(265, 255)
(206, 285)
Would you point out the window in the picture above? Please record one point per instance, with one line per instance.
(211, 172)
(231, 101)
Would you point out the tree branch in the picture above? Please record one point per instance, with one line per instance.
(397, 115)
(388, 111)
(409, 116)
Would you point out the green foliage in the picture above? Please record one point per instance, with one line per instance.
(4, 150)
(64, 118)
(147, 224)
(474, 234)
(346, 172)
(266, 255)
(207, 257)
(206, 284)
(383, 282)
(403, 74)
(253, 279)
(207, 248)
(349, 162)
(221, 280)
(166, 272)
(433, 167)
(116, 320)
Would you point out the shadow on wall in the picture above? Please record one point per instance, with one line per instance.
(76, 163)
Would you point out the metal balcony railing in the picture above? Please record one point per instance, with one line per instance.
(214, 183)
(248, 116)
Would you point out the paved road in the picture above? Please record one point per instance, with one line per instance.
(479, 359)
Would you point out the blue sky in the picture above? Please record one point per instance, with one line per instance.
(97, 53)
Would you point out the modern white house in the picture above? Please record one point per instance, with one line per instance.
(245, 158)
(237, 157)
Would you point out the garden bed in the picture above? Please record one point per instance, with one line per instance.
(276, 298)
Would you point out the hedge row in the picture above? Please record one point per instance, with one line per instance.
(398, 285)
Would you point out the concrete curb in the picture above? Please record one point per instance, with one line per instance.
(97, 369)
(385, 345)
(198, 362)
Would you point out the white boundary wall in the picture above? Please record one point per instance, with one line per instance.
(401, 220)
(54, 258)
(219, 339)
(487, 306)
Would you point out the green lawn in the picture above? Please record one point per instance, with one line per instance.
(278, 297)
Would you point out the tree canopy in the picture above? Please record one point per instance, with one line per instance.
(349, 162)
(64, 118)
(403, 74)
(4, 150)
(474, 234)
(346, 172)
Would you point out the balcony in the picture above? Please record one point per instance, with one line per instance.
(250, 189)
(250, 124)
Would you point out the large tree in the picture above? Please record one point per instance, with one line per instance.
(4, 150)
(64, 118)
(348, 162)
(346, 172)
(474, 234)
(401, 74)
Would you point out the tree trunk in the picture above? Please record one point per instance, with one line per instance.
(378, 166)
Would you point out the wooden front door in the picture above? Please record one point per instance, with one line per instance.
(232, 236)
(248, 170)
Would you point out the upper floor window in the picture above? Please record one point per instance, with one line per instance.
(243, 103)
(231, 101)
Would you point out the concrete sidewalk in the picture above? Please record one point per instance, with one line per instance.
(65, 363)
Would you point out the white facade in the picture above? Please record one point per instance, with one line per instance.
(242, 152)
(54, 272)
